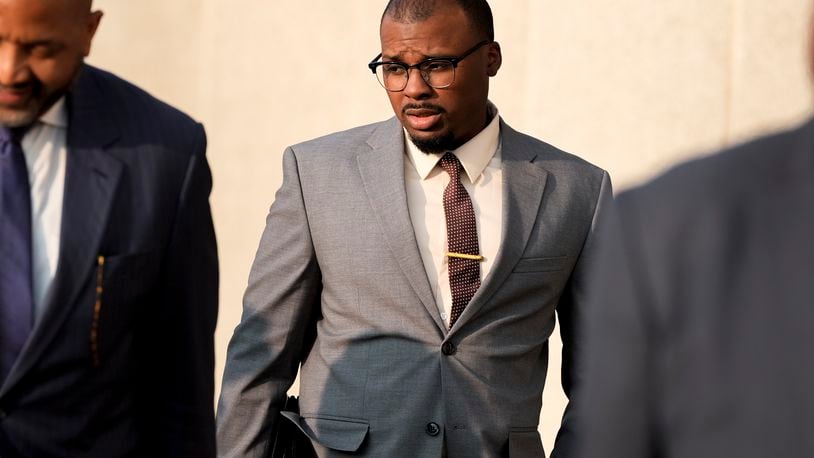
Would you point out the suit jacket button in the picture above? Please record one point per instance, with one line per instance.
(433, 429)
(448, 348)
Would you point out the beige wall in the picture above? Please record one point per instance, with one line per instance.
(631, 85)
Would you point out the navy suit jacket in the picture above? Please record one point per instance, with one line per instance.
(700, 337)
(125, 370)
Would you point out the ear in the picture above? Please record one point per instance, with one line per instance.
(494, 58)
(90, 30)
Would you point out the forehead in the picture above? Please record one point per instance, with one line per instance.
(447, 31)
(37, 17)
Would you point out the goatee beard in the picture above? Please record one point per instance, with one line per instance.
(436, 145)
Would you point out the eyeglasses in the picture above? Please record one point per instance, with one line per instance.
(438, 72)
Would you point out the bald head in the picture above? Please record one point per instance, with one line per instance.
(80, 8)
(75, 10)
(44, 43)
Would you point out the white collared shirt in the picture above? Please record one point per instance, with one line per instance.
(483, 180)
(46, 155)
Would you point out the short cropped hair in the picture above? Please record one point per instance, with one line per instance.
(411, 11)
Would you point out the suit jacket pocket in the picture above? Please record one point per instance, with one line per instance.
(121, 282)
(336, 433)
(547, 264)
(133, 271)
(525, 443)
(128, 276)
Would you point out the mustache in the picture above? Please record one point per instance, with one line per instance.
(423, 106)
(18, 86)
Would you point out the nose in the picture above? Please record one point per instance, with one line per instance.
(417, 88)
(12, 64)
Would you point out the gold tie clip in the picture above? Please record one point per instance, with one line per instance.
(472, 257)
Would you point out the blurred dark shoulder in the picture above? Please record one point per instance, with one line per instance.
(765, 166)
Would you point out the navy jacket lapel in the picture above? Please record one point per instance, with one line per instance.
(91, 178)
(524, 182)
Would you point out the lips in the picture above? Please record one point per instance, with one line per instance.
(422, 118)
(14, 97)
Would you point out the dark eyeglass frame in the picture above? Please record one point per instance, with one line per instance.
(452, 60)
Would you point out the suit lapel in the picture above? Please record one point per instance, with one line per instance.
(91, 177)
(523, 184)
(382, 172)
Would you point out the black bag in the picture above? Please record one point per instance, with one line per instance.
(289, 441)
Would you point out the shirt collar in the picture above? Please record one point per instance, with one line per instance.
(57, 115)
(474, 154)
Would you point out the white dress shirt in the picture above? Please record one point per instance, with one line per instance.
(45, 156)
(483, 180)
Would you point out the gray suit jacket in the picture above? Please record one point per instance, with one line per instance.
(338, 286)
(701, 329)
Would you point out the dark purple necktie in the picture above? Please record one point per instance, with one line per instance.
(16, 290)
(462, 239)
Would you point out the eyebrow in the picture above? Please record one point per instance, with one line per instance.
(394, 58)
(33, 43)
(397, 58)
(43, 42)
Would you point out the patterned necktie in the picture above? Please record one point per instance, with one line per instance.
(462, 239)
(16, 290)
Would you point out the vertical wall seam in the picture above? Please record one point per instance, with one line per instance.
(531, 87)
(207, 57)
(732, 73)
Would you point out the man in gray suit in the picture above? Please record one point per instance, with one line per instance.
(415, 277)
(700, 329)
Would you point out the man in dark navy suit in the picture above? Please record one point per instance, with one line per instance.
(700, 329)
(108, 263)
